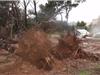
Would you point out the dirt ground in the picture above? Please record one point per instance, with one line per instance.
(13, 65)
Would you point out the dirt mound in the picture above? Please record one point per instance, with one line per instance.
(34, 47)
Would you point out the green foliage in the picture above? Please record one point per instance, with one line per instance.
(81, 25)
(84, 73)
(48, 10)
(18, 21)
(51, 9)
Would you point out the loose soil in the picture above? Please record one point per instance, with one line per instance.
(14, 65)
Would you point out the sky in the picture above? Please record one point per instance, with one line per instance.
(86, 11)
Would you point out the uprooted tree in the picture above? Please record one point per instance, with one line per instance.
(34, 47)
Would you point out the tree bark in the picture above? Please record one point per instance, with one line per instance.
(35, 11)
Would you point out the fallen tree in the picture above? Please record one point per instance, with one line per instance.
(34, 47)
(70, 47)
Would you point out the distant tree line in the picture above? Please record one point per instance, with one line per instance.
(15, 16)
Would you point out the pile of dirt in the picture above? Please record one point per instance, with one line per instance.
(70, 47)
(34, 47)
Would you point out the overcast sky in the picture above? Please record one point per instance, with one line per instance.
(86, 11)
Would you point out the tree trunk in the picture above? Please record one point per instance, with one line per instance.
(25, 14)
(35, 11)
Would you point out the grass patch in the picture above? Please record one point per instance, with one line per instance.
(97, 66)
(83, 72)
